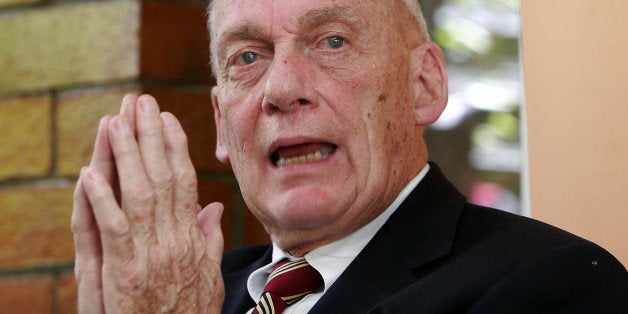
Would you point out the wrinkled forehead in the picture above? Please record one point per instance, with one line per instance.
(228, 13)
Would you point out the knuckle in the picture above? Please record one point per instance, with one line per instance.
(74, 224)
(124, 147)
(142, 196)
(130, 279)
(187, 180)
(117, 226)
(79, 224)
(179, 138)
(182, 139)
(162, 178)
(149, 128)
(86, 267)
(179, 251)
(78, 192)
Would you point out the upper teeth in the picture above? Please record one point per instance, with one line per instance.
(302, 158)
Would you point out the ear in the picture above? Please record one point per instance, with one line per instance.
(429, 79)
(221, 148)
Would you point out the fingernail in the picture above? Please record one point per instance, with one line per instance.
(148, 106)
(123, 106)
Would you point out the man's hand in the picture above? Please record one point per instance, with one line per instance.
(141, 244)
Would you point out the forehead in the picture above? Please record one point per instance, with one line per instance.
(289, 13)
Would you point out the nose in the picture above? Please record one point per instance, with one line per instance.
(287, 83)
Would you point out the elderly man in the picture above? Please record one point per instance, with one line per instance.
(320, 108)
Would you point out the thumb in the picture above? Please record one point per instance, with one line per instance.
(209, 223)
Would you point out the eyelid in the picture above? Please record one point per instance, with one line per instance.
(323, 39)
(237, 55)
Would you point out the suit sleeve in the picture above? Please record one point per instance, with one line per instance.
(576, 278)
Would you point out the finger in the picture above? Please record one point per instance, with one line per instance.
(185, 180)
(209, 223)
(127, 108)
(88, 253)
(102, 158)
(113, 224)
(153, 153)
(137, 197)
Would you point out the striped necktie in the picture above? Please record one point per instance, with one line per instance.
(288, 283)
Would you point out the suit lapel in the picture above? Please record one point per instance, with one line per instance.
(419, 232)
(237, 299)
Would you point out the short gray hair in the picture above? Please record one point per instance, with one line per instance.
(413, 6)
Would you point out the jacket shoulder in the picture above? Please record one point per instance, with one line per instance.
(505, 263)
(240, 258)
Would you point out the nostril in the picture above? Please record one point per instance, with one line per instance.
(303, 101)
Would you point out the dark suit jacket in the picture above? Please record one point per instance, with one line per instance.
(439, 254)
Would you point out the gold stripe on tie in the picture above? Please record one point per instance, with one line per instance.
(286, 268)
(266, 306)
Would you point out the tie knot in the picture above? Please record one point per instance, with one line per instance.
(295, 277)
(289, 282)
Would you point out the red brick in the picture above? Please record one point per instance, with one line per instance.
(35, 225)
(194, 110)
(174, 41)
(27, 294)
(77, 115)
(25, 126)
(67, 294)
(210, 192)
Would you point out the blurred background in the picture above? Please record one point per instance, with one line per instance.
(66, 63)
(477, 140)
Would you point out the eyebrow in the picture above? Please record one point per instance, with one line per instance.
(321, 16)
(246, 31)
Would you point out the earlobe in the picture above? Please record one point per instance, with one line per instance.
(429, 79)
(221, 149)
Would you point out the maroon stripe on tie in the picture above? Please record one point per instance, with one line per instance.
(288, 283)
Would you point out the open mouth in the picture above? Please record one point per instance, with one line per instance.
(302, 153)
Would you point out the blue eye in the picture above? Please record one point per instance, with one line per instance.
(335, 42)
(248, 57)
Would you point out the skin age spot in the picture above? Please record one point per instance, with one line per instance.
(382, 97)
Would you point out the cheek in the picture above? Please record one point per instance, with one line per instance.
(237, 127)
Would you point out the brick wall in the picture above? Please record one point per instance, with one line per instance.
(64, 64)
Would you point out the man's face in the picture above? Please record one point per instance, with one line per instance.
(314, 110)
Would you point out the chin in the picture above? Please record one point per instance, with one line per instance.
(305, 215)
(304, 208)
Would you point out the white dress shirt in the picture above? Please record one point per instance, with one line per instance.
(332, 259)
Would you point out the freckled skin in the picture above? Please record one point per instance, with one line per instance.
(345, 96)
